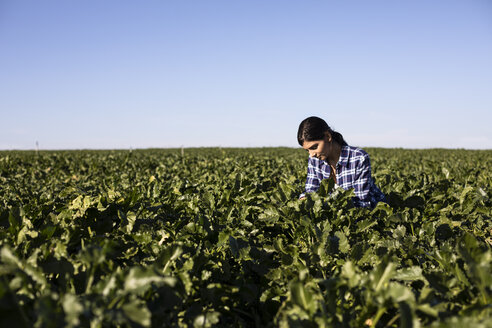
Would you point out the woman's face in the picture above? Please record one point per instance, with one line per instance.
(319, 148)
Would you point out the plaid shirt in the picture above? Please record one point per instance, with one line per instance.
(353, 170)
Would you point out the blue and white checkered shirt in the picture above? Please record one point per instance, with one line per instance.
(353, 170)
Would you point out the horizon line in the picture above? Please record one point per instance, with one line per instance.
(222, 147)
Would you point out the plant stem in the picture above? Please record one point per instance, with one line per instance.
(378, 316)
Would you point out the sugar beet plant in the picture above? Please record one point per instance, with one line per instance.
(217, 237)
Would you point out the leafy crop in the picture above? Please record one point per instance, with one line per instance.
(217, 237)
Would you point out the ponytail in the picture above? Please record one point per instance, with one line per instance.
(314, 128)
(338, 138)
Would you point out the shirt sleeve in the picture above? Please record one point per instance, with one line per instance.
(312, 180)
(362, 183)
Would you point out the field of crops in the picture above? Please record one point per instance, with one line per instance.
(217, 237)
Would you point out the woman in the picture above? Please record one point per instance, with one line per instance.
(331, 157)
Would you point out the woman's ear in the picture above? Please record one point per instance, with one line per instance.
(328, 136)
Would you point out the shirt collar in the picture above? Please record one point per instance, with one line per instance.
(344, 156)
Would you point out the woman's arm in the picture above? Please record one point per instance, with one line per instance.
(312, 180)
(362, 183)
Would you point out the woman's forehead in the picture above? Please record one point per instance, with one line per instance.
(309, 144)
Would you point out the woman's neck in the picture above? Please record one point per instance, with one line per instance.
(334, 155)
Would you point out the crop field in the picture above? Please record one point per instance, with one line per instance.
(218, 237)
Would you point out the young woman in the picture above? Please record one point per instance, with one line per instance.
(330, 157)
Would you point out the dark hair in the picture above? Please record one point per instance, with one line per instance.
(313, 128)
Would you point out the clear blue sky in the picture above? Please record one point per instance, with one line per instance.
(121, 74)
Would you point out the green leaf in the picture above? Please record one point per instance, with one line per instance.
(400, 293)
(365, 225)
(208, 319)
(464, 193)
(139, 279)
(73, 309)
(131, 218)
(137, 312)
(302, 297)
(326, 187)
(382, 275)
(168, 255)
(343, 243)
(409, 274)
(406, 315)
(349, 272)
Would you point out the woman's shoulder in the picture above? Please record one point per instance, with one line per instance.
(353, 157)
(354, 152)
